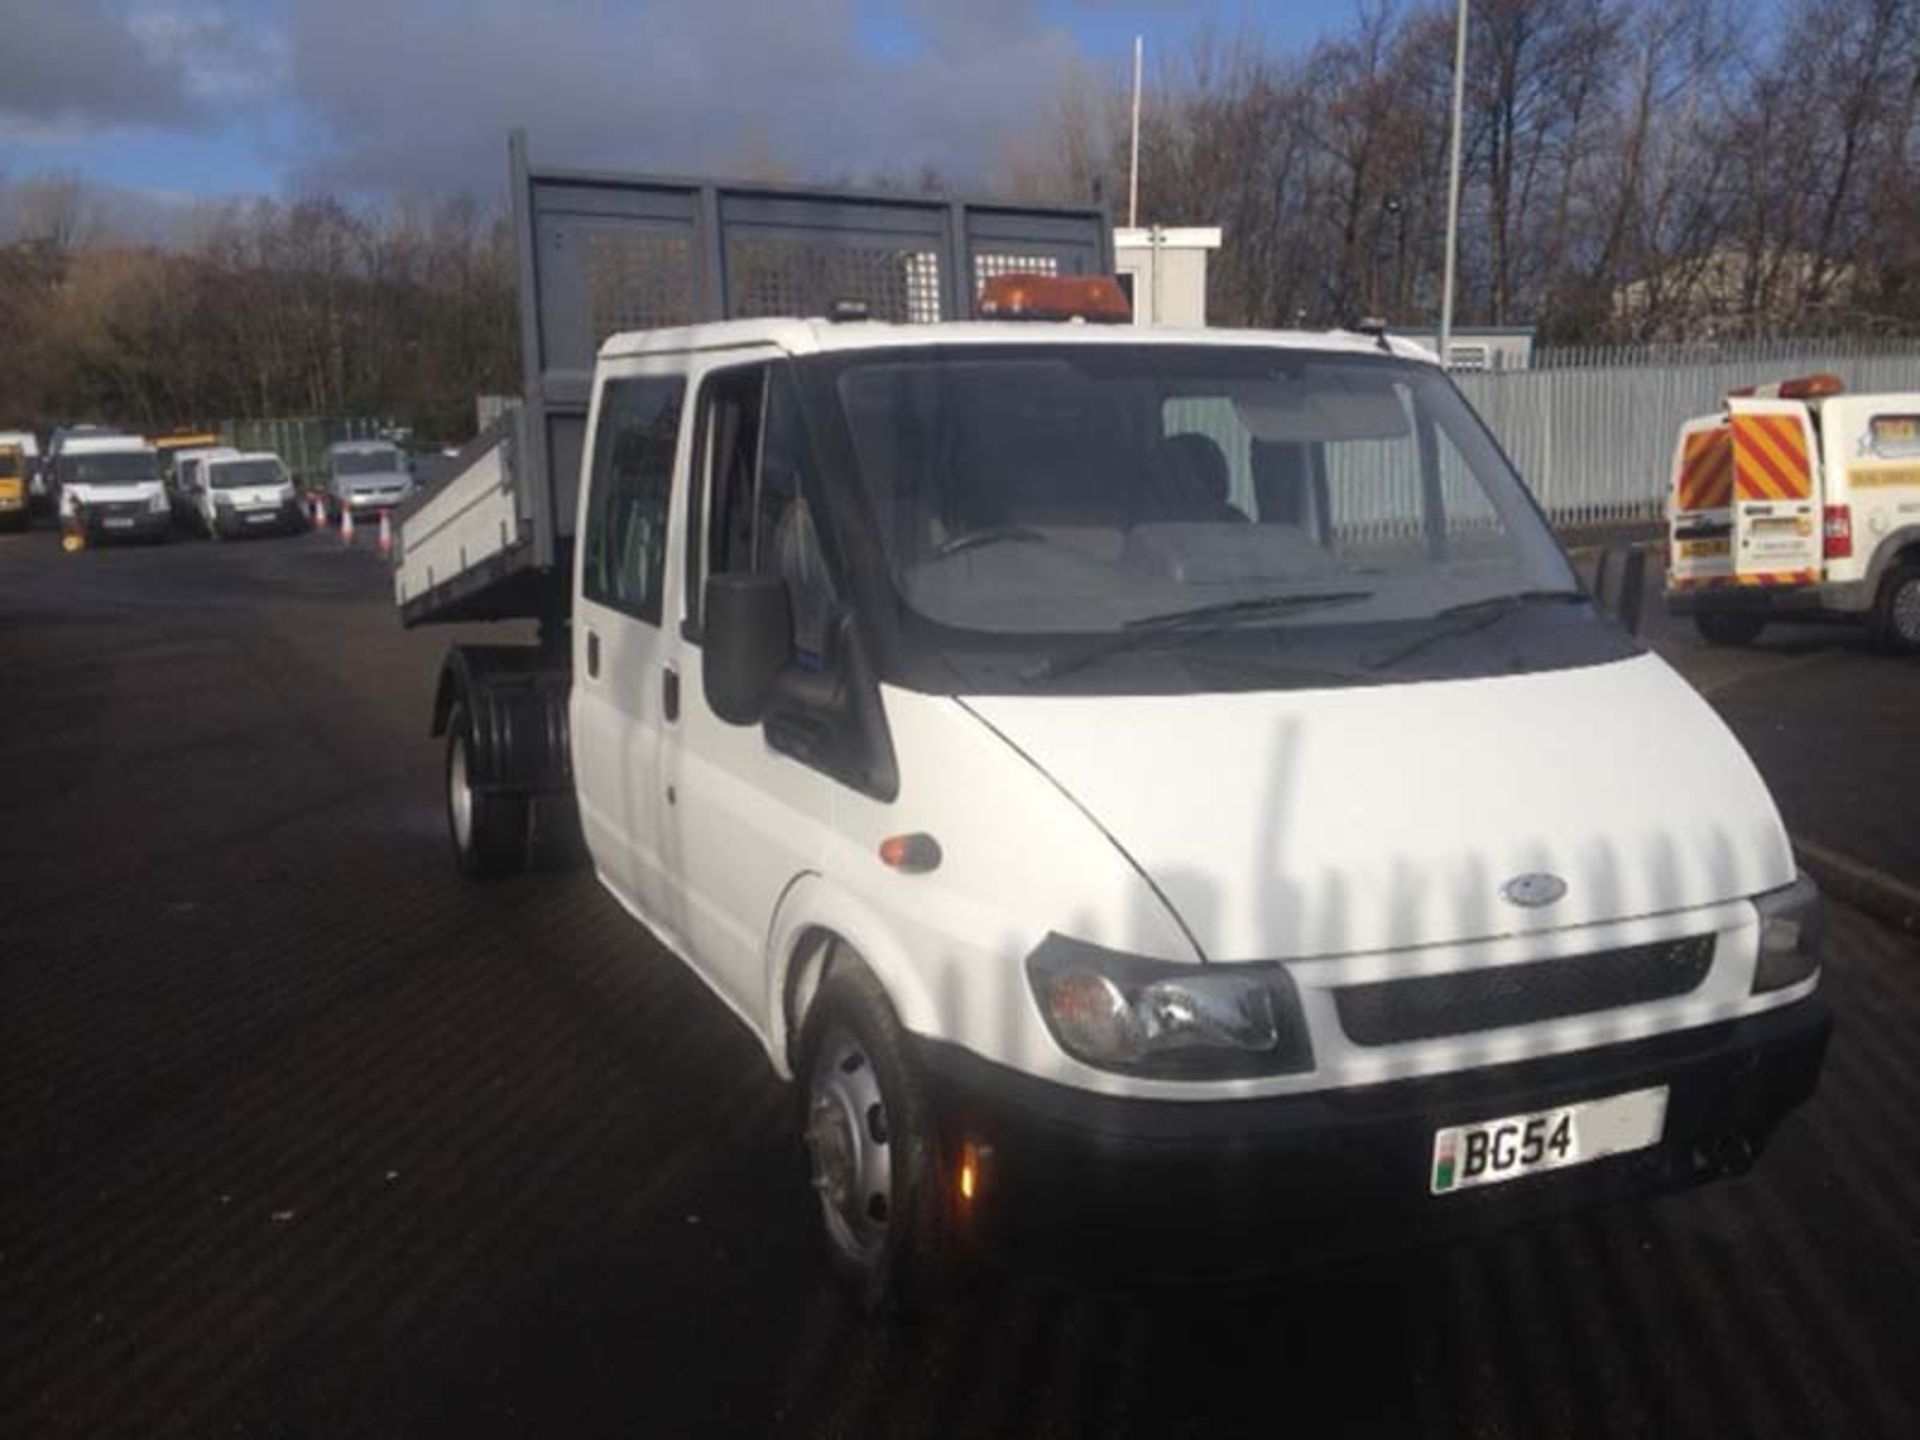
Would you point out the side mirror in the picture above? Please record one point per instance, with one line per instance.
(1620, 583)
(748, 643)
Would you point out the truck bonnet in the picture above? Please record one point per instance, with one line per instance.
(1299, 824)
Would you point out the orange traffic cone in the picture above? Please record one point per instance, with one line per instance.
(73, 532)
(346, 524)
(317, 511)
(386, 533)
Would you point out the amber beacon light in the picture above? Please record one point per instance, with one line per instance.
(1097, 299)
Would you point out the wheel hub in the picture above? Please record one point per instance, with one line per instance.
(460, 795)
(1906, 612)
(848, 1147)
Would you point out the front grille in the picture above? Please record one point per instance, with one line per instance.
(116, 509)
(1394, 1012)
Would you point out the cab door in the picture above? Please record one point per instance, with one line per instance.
(743, 818)
(620, 702)
(1776, 507)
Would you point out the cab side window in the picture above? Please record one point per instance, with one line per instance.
(763, 515)
(624, 564)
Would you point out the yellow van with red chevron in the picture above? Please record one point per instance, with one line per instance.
(1798, 501)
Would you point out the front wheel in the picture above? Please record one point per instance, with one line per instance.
(488, 828)
(1729, 627)
(1896, 610)
(873, 1151)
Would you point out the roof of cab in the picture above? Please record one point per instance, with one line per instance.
(103, 444)
(351, 447)
(234, 457)
(814, 337)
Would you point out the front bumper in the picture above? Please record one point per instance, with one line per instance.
(1177, 1189)
(268, 519)
(132, 523)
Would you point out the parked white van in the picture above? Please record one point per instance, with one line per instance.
(112, 485)
(246, 493)
(188, 481)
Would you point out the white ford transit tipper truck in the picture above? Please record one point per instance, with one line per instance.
(1161, 790)
(110, 486)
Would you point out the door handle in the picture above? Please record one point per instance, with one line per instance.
(670, 693)
(593, 656)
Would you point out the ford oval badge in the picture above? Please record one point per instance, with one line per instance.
(1534, 890)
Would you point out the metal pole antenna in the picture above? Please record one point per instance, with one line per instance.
(1133, 170)
(1453, 183)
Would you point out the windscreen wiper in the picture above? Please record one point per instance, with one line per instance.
(1202, 617)
(1475, 615)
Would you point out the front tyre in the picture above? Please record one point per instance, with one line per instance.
(488, 828)
(1729, 627)
(873, 1151)
(1896, 610)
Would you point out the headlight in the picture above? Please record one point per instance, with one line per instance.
(158, 503)
(1183, 1022)
(1792, 929)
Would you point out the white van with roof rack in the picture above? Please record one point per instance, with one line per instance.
(1161, 792)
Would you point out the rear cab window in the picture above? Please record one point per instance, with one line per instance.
(624, 547)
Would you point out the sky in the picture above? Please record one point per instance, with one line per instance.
(176, 100)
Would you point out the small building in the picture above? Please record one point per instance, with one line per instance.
(1481, 347)
(1163, 269)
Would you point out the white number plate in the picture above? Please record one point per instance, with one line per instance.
(115, 522)
(1495, 1150)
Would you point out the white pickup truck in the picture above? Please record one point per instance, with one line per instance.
(1165, 791)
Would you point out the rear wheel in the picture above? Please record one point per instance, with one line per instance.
(1729, 627)
(488, 828)
(1896, 610)
(873, 1151)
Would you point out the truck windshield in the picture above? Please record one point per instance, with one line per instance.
(366, 462)
(1086, 489)
(233, 474)
(111, 467)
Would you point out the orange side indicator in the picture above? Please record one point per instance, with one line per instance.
(972, 1158)
(913, 854)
